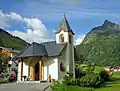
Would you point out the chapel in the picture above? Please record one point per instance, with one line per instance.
(40, 60)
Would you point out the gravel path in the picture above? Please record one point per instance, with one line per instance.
(24, 87)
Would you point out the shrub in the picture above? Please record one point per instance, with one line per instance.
(58, 87)
(73, 81)
(104, 74)
(98, 69)
(2, 80)
(78, 73)
(67, 78)
(90, 80)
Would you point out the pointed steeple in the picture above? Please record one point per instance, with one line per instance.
(65, 26)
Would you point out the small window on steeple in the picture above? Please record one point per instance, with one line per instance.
(61, 37)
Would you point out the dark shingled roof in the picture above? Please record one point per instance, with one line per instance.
(53, 49)
(42, 49)
(65, 26)
(34, 49)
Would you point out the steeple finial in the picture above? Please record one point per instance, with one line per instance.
(65, 17)
(64, 14)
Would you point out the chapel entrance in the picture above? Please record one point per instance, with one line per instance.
(37, 67)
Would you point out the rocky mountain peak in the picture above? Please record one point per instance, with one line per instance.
(107, 22)
(110, 24)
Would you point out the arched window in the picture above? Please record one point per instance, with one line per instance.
(61, 37)
(62, 68)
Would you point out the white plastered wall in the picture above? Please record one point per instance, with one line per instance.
(19, 71)
(51, 67)
(66, 36)
(25, 68)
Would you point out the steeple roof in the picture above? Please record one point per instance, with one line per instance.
(65, 26)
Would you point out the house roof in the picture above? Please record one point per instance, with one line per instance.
(65, 26)
(10, 49)
(42, 49)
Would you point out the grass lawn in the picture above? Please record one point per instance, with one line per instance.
(111, 86)
(114, 85)
(62, 87)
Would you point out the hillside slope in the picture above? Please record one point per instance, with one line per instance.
(101, 45)
(7, 40)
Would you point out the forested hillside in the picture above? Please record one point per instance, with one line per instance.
(7, 40)
(101, 45)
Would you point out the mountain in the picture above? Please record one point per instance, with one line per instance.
(9, 41)
(101, 45)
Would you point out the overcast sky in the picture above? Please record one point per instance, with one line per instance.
(37, 20)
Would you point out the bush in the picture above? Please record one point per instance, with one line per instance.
(90, 80)
(104, 74)
(2, 80)
(67, 78)
(98, 69)
(73, 81)
(57, 87)
(78, 73)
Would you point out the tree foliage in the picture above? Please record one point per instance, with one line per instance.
(4, 62)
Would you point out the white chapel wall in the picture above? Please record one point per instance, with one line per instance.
(25, 68)
(19, 72)
(51, 68)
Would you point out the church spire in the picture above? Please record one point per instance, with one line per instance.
(64, 25)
